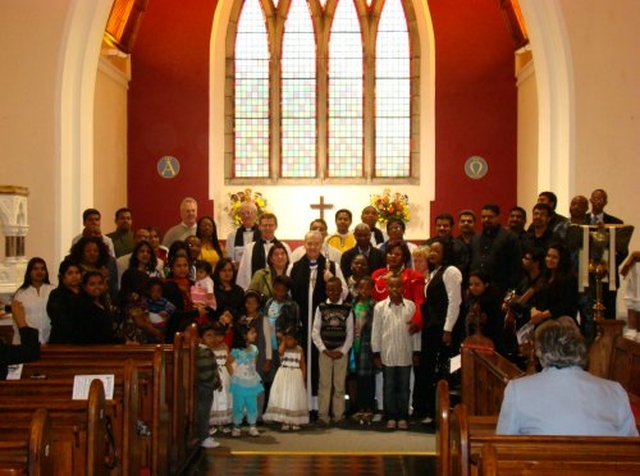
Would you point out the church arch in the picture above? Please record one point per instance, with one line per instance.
(74, 108)
(556, 97)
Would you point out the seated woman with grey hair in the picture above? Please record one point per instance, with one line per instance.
(564, 399)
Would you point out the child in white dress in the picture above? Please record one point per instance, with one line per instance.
(221, 411)
(288, 398)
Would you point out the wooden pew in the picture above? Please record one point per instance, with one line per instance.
(569, 463)
(30, 450)
(121, 412)
(615, 358)
(477, 424)
(180, 366)
(485, 375)
(152, 401)
(443, 411)
(191, 338)
(78, 427)
(536, 451)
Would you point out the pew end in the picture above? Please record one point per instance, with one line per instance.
(443, 410)
(41, 444)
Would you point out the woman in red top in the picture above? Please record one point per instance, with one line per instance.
(397, 256)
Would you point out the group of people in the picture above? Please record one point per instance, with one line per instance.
(285, 334)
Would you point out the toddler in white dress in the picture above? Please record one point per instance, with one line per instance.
(288, 398)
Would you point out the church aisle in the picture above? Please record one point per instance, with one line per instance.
(357, 450)
(211, 463)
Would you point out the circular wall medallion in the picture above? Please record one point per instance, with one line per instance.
(168, 167)
(476, 167)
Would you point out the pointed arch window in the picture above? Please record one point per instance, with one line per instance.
(321, 90)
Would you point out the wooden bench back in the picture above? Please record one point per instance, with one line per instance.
(121, 413)
(179, 384)
(78, 428)
(485, 374)
(443, 410)
(492, 464)
(169, 406)
(30, 450)
(536, 451)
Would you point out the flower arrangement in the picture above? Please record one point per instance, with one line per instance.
(246, 195)
(391, 205)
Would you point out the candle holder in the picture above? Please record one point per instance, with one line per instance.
(599, 267)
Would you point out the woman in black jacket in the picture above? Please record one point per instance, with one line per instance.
(29, 348)
(64, 304)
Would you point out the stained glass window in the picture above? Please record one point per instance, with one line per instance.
(345, 93)
(308, 102)
(251, 94)
(393, 93)
(298, 94)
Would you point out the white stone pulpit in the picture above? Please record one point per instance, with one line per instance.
(14, 222)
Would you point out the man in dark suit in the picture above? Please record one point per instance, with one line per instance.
(598, 201)
(375, 257)
(496, 251)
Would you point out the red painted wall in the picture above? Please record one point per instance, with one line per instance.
(476, 105)
(169, 104)
(169, 110)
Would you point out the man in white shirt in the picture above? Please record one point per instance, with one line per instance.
(189, 217)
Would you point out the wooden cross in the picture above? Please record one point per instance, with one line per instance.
(321, 206)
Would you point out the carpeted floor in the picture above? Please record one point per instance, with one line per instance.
(355, 438)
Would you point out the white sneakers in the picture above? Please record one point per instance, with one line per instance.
(209, 443)
(236, 433)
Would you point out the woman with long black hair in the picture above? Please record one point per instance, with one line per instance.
(34, 295)
(559, 296)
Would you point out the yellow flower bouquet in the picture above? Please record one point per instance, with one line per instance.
(391, 205)
(246, 195)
